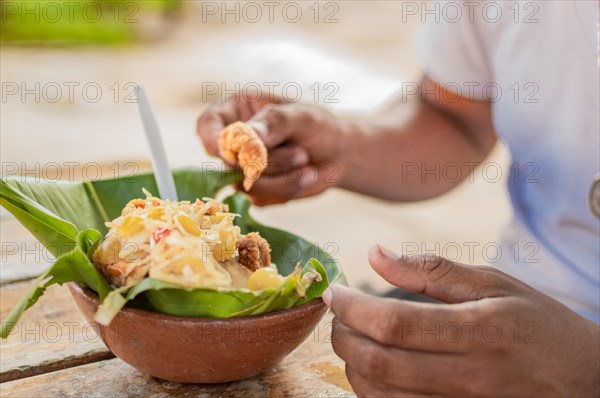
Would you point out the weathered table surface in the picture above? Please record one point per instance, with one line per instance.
(54, 352)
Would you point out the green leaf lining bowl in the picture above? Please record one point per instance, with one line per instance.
(68, 219)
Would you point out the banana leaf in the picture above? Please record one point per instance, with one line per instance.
(176, 300)
(68, 219)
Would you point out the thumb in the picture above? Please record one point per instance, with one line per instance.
(439, 278)
(314, 180)
(275, 123)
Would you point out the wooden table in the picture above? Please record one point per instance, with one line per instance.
(54, 352)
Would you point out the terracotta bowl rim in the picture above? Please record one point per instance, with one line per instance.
(313, 305)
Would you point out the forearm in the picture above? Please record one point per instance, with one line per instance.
(419, 159)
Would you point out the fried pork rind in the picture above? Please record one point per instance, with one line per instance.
(254, 251)
(241, 144)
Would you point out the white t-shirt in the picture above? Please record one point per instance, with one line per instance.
(538, 63)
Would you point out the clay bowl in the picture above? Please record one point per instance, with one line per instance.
(201, 350)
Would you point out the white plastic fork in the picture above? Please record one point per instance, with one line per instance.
(162, 173)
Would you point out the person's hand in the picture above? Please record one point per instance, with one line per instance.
(305, 145)
(497, 337)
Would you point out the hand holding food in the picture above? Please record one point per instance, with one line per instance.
(307, 146)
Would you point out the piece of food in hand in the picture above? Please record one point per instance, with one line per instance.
(241, 144)
(194, 245)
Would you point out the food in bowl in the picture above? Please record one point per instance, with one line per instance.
(70, 220)
(188, 244)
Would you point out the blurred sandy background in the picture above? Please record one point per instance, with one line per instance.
(367, 50)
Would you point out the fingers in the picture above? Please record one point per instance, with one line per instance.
(299, 160)
(296, 183)
(218, 115)
(276, 124)
(402, 324)
(288, 185)
(211, 123)
(286, 160)
(244, 109)
(367, 388)
(439, 278)
(383, 368)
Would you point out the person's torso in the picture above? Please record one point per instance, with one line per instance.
(547, 112)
